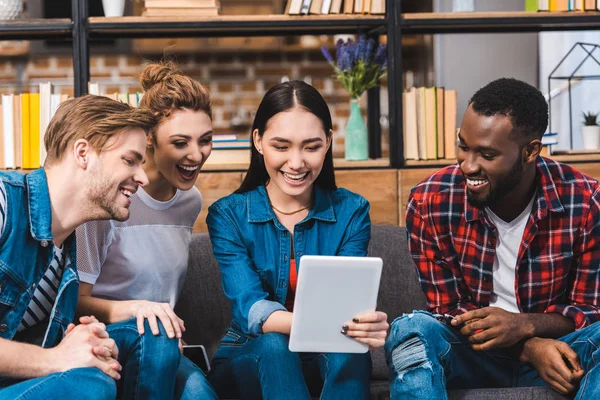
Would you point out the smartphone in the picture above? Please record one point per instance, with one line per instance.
(197, 353)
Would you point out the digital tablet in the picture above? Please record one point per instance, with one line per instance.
(330, 292)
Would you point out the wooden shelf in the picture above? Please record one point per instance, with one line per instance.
(518, 21)
(21, 29)
(338, 163)
(233, 25)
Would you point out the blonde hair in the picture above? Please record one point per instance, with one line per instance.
(93, 118)
(167, 89)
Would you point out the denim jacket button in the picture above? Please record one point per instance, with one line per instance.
(3, 328)
(44, 243)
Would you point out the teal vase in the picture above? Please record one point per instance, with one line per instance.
(357, 139)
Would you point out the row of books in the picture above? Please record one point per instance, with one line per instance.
(179, 8)
(23, 121)
(562, 5)
(429, 123)
(304, 7)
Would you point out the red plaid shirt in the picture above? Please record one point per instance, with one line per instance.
(558, 266)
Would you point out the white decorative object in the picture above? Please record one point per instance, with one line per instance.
(463, 5)
(113, 8)
(590, 134)
(10, 9)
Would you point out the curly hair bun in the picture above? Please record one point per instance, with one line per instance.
(156, 73)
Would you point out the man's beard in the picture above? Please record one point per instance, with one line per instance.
(504, 186)
(99, 195)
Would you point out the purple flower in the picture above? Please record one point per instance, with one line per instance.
(326, 54)
(361, 51)
(381, 55)
(369, 51)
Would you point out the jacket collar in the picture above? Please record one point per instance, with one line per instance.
(259, 209)
(40, 210)
(547, 198)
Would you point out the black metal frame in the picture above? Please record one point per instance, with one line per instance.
(569, 79)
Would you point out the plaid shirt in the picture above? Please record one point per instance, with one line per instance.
(558, 265)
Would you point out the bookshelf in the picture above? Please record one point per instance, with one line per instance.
(395, 24)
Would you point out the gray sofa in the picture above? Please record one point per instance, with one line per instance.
(206, 310)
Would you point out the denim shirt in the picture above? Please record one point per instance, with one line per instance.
(26, 250)
(253, 248)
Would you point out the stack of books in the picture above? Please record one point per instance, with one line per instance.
(23, 122)
(429, 123)
(304, 7)
(181, 8)
(228, 148)
(562, 5)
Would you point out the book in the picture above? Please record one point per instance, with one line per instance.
(8, 130)
(431, 123)
(377, 6)
(315, 7)
(421, 132)
(358, 6)
(409, 124)
(25, 132)
(45, 92)
(336, 7)
(180, 12)
(450, 124)
(439, 108)
(325, 9)
(305, 7)
(232, 144)
(295, 7)
(531, 5)
(181, 3)
(18, 139)
(544, 5)
(34, 130)
(348, 6)
(589, 5)
(229, 156)
(220, 137)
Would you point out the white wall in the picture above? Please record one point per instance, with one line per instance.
(553, 47)
(467, 62)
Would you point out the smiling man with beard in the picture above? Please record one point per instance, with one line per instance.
(95, 150)
(506, 248)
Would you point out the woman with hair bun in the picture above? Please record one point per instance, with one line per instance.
(132, 272)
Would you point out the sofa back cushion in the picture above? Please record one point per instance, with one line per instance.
(207, 313)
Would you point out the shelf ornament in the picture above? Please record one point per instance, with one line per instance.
(359, 65)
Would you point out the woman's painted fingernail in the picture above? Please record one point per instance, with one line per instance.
(344, 332)
(355, 320)
(345, 328)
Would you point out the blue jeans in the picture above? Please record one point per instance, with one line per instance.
(264, 368)
(78, 383)
(153, 367)
(426, 357)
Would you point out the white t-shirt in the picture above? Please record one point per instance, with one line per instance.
(508, 242)
(145, 257)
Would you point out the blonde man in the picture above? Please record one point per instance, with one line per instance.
(95, 150)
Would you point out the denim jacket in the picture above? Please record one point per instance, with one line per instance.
(26, 250)
(253, 249)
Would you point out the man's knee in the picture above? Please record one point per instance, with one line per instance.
(412, 342)
(92, 384)
(274, 345)
(422, 324)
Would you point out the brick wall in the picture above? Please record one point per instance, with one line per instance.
(237, 82)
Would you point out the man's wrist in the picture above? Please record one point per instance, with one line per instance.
(527, 326)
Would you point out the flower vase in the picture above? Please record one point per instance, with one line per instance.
(357, 138)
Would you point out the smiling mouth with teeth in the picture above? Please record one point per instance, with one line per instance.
(297, 177)
(476, 182)
(126, 193)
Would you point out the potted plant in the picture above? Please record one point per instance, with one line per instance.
(590, 131)
(358, 67)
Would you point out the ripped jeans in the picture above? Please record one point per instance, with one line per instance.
(426, 357)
